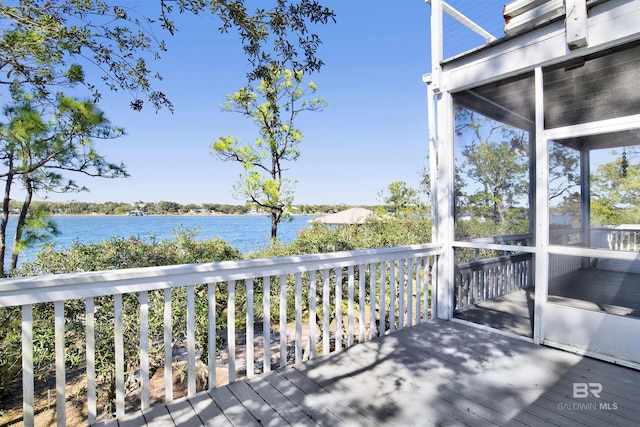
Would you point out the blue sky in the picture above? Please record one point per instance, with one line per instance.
(373, 132)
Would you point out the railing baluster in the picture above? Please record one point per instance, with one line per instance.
(392, 296)
(383, 298)
(338, 309)
(350, 306)
(144, 348)
(90, 332)
(266, 322)
(211, 343)
(61, 405)
(231, 330)
(312, 314)
(191, 341)
(168, 347)
(325, 312)
(372, 301)
(401, 294)
(361, 297)
(418, 289)
(283, 320)
(298, 307)
(119, 353)
(409, 292)
(27, 366)
(250, 333)
(425, 289)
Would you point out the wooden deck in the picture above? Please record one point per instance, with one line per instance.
(438, 373)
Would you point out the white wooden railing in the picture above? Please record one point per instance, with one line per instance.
(487, 279)
(366, 293)
(625, 238)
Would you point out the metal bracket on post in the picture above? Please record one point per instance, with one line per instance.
(576, 24)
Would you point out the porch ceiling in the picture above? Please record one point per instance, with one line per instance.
(597, 87)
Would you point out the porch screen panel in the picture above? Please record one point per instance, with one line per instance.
(596, 284)
(492, 159)
(602, 86)
(594, 189)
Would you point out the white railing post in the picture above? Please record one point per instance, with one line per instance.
(249, 330)
(392, 296)
(266, 322)
(312, 314)
(90, 331)
(338, 302)
(27, 366)
(144, 349)
(212, 334)
(372, 300)
(119, 353)
(401, 294)
(350, 308)
(283, 320)
(191, 341)
(298, 308)
(383, 298)
(325, 312)
(361, 301)
(168, 346)
(61, 381)
(231, 329)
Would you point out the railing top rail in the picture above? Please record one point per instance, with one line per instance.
(503, 260)
(54, 287)
(498, 239)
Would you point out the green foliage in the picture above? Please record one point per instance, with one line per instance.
(40, 142)
(116, 253)
(273, 106)
(401, 199)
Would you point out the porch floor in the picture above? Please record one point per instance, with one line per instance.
(612, 292)
(438, 373)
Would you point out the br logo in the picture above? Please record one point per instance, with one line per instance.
(583, 390)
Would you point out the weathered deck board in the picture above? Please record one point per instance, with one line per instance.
(439, 373)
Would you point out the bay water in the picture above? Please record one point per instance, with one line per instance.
(245, 232)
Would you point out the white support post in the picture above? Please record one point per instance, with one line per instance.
(231, 329)
(542, 212)
(445, 206)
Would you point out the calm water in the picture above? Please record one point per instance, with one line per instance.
(245, 232)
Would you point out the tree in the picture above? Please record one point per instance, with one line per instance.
(400, 198)
(615, 190)
(37, 145)
(496, 166)
(42, 41)
(273, 105)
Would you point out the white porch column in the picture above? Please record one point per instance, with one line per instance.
(542, 211)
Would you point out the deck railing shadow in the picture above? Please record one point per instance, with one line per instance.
(224, 321)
